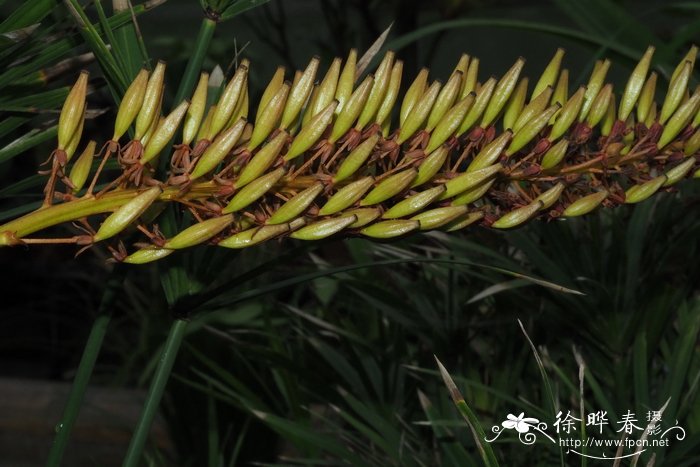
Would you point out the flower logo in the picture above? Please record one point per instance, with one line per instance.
(520, 423)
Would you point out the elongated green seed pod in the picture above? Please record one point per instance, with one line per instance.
(531, 129)
(516, 104)
(639, 193)
(646, 98)
(689, 57)
(567, 116)
(551, 196)
(312, 132)
(389, 187)
(473, 194)
(254, 236)
(346, 82)
(126, 214)
(269, 117)
(228, 100)
(555, 154)
(81, 169)
(431, 166)
(73, 110)
(272, 89)
(599, 106)
(679, 172)
(218, 150)
(463, 221)
(593, 87)
(74, 142)
(414, 203)
(517, 216)
(462, 65)
(296, 205)
(502, 93)
(549, 75)
(483, 95)
(390, 229)
(585, 205)
(445, 100)
(326, 90)
(561, 90)
(490, 153)
(381, 83)
(324, 228)
(164, 132)
(534, 108)
(195, 112)
(679, 120)
(467, 180)
(364, 216)
(262, 160)
(150, 108)
(413, 95)
(241, 110)
(676, 90)
(450, 123)
(299, 94)
(356, 158)
(438, 217)
(471, 77)
(147, 255)
(392, 93)
(634, 85)
(130, 105)
(206, 124)
(346, 196)
(253, 191)
(693, 144)
(610, 118)
(352, 109)
(419, 113)
(199, 232)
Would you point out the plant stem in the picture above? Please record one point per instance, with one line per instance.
(155, 392)
(85, 368)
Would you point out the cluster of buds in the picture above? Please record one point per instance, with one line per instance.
(324, 156)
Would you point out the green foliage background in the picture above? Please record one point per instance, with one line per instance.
(323, 354)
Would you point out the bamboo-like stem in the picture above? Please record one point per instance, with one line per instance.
(85, 368)
(155, 392)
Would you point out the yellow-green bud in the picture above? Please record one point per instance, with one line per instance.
(254, 236)
(73, 111)
(419, 112)
(126, 214)
(634, 85)
(531, 129)
(389, 187)
(346, 196)
(150, 108)
(431, 165)
(356, 158)
(502, 93)
(413, 95)
(253, 191)
(312, 132)
(296, 205)
(262, 160)
(390, 229)
(195, 112)
(351, 109)
(218, 150)
(414, 203)
(467, 180)
(678, 173)
(299, 94)
(639, 193)
(445, 100)
(199, 232)
(517, 216)
(449, 123)
(324, 228)
(555, 154)
(81, 169)
(130, 105)
(438, 217)
(549, 75)
(585, 205)
(164, 132)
